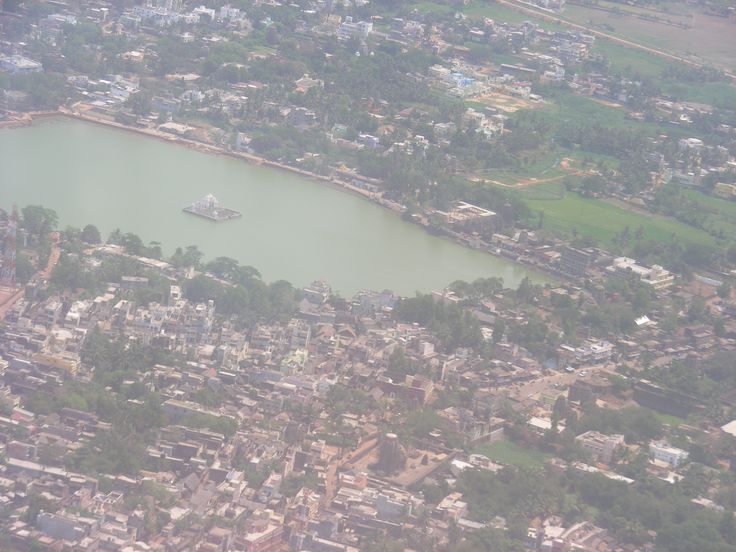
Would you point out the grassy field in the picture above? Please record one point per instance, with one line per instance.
(427, 6)
(721, 212)
(580, 110)
(506, 452)
(719, 94)
(481, 9)
(539, 167)
(567, 213)
(623, 57)
(672, 421)
(708, 39)
(717, 204)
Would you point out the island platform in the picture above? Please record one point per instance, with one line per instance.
(209, 208)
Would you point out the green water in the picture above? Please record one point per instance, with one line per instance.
(292, 228)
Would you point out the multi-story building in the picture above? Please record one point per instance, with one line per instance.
(660, 450)
(19, 65)
(655, 277)
(601, 447)
(354, 29)
(575, 262)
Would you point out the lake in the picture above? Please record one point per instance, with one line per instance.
(292, 228)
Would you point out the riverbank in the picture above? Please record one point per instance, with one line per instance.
(219, 150)
(466, 242)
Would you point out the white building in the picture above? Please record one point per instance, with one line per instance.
(656, 277)
(594, 352)
(660, 450)
(354, 29)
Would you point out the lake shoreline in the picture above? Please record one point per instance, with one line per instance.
(331, 182)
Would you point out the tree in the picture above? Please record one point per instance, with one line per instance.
(90, 234)
(139, 103)
(724, 290)
(399, 366)
(558, 411)
(727, 527)
(38, 220)
(526, 291)
(499, 328)
(698, 310)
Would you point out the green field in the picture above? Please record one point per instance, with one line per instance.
(580, 110)
(506, 452)
(427, 6)
(537, 166)
(718, 94)
(567, 213)
(721, 212)
(623, 57)
(498, 12)
(672, 421)
(707, 39)
(716, 204)
(576, 109)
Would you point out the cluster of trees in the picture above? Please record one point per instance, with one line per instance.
(453, 325)
(628, 511)
(636, 424)
(715, 376)
(237, 290)
(115, 361)
(248, 300)
(38, 221)
(477, 290)
(43, 91)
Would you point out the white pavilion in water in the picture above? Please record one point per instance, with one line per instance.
(207, 203)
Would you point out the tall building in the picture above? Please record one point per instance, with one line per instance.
(391, 457)
(575, 262)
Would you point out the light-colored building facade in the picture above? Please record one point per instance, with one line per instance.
(660, 450)
(600, 447)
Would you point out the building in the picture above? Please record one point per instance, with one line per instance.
(593, 352)
(690, 144)
(262, 534)
(354, 29)
(575, 262)
(391, 458)
(660, 450)
(655, 277)
(466, 217)
(723, 189)
(601, 447)
(19, 65)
